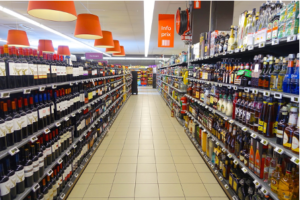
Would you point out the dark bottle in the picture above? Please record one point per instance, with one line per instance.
(9, 124)
(286, 84)
(294, 78)
(288, 131)
(54, 184)
(45, 189)
(28, 170)
(53, 69)
(31, 67)
(57, 112)
(43, 110)
(282, 124)
(24, 69)
(47, 111)
(40, 195)
(3, 143)
(39, 108)
(44, 150)
(243, 190)
(19, 170)
(49, 150)
(262, 114)
(51, 104)
(17, 123)
(246, 77)
(3, 73)
(274, 75)
(34, 112)
(18, 68)
(50, 187)
(40, 155)
(295, 139)
(29, 117)
(267, 77)
(12, 178)
(262, 75)
(256, 71)
(23, 119)
(35, 163)
(269, 120)
(5, 185)
(10, 69)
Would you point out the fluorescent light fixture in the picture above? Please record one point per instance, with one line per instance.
(132, 58)
(148, 18)
(1, 40)
(17, 15)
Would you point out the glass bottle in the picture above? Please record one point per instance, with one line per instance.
(267, 164)
(274, 75)
(12, 178)
(236, 103)
(288, 131)
(285, 186)
(263, 73)
(269, 119)
(229, 106)
(295, 138)
(5, 185)
(28, 170)
(256, 71)
(295, 78)
(281, 75)
(286, 84)
(282, 124)
(276, 176)
(262, 114)
(267, 77)
(272, 166)
(246, 77)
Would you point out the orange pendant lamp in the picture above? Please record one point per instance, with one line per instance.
(45, 46)
(122, 52)
(17, 38)
(115, 49)
(61, 11)
(106, 41)
(88, 27)
(63, 50)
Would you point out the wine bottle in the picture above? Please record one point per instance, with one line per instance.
(45, 189)
(39, 111)
(40, 195)
(50, 187)
(4, 185)
(35, 125)
(43, 110)
(12, 178)
(17, 123)
(9, 124)
(29, 117)
(24, 69)
(49, 150)
(31, 67)
(54, 184)
(11, 70)
(18, 67)
(2, 69)
(57, 105)
(23, 120)
(35, 161)
(44, 150)
(3, 143)
(55, 139)
(28, 170)
(40, 155)
(19, 170)
(46, 110)
(51, 104)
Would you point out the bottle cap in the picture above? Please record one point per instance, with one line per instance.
(291, 56)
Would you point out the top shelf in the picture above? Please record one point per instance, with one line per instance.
(174, 65)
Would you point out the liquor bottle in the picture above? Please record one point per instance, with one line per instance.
(276, 176)
(286, 84)
(17, 123)
(274, 75)
(34, 112)
(288, 131)
(39, 109)
(29, 117)
(23, 120)
(53, 68)
(285, 186)
(252, 154)
(47, 111)
(267, 78)
(242, 190)
(282, 124)
(42, 110)
(34, 60)
(12, 178)
(269, 119)
(31, 67)
(18, 67)
(51, 104)
(272, 166)
(263, 73)
(19, 170)
(43, 149)
(45, 189)
(28, 170)
(295, 138)
(9, 124)
(57, 112)
(40, 155)
(10, 69)
(248, 110)
(3, 143)
(267, 164)
(5, 185)
(35, 161)
(3, 73)
(294, 78)
(246, 76)
(281, 75)
(257, 71)
(262, 115)
(47, 72)
(24, 69)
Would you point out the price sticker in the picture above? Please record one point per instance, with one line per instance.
(264, 142)
(202, 152)
(262, 45)
(295, 99)
(50, 172)
(206, 57)
(264, 191)
(70, 184)
(47, 131)
(235, 162)
(278, 95)
(253, 135)
(62, 196)
(245, 129)
(235, 198)
(35, 187)
(231, 121)
(223, 149)
(74, 146)
(295, 160)
(220, 85)
(211, 165)
(244, 170)
(66, 118)
(278, 150)
(230, 52)
(275, 41)
(76, 175)
(54, 86)
(256, 183)
(255, 91)
(80, 140)
(4, 95)
(73, 115)
(291, 38)
(229, 87)
(224, 53)
(42, 88)
(266, 93)
(226, 186)
(26, 91)
(243, 49)
(246, 90)
(85, 160)
(225, 118)
(221, 178)
(81, 166)
(216, 55)
(250, 47)
(13, 151)
(229, 155)
(217, 143)
(91, 153)
(237, 50)
(33, 139)
(68, 153)
(216, 171)
(235, 87)
(59, 161)
(57, 124)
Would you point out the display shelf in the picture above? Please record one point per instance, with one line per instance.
(54, 163)
(5, 153)
(171, 97)
(53, 85)
(271, 141)
(69, 186)
(174, 65)
(178, 90)
(294, 97)
(172, 76)
(230, 155)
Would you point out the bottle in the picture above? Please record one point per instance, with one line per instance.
(45, 189)
(295, 78)
(251, 155)
(23, 120)
(3, 73)
(51, 104)
(9, 125)
(4, 185)
(276, 176)
(263, 73)
(262, 115)
(282, 124)
(274, 75)
(229, 107)
(267, 77)
(29, 117)
(281, 76)
(272, 166)
(242, 190)
(286, 84)
(40, 155)
(19, 170)
(12, 178)
(10, 69)
(288, 131)
(256, 71)
(285, 186)
(269, 120)
(237, 105)
(295, 138)
(48, 149)
(3, 143)
(35, 163)
(34, 112)
(223, 105)
(267, 164)
(17, 123)
(28, 170)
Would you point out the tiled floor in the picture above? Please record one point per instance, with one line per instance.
(146, 156)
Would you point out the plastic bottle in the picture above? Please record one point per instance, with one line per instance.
(286, 85)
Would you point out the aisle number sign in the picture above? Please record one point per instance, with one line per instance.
(197, 4)
(165, 30)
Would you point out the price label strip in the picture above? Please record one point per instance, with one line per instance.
(62, 196)
(13, 151)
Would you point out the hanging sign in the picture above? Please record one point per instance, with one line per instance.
(197, 4)
(165, 30)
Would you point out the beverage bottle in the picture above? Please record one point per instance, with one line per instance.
(295, 78)
(5, 185)
(3, 143)
(262, 115)
(295, 139)
(3, 73)
(26, 75)
(288, 131)
(285, 186)
(263, 73)
(269, 119)
(28, 169)
(39, 109)
(258, 63)
(35, 161)
(45, 189)
(17, 123)
(12, 178)
(286, 84)
(40, 155)
(281, 75)
(19, 170)
(29, 117)
(274, 75)
(267, 78)
(282, 124)
(9, 123)
(35, 126)
(23, 120)
(267, 164)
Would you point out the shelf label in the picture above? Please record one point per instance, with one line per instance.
(262, 45)
(66, 118)
(243, 49)
(230, 52)
(54, 86)
(235, 87)
(217, 143)
(216, 171)
(35, 187)
(250, 47)
(264, 142)
(225, 118)
(73, 115)
(235, 198)
(235, 162)
(246, 89)
(220, 85)
(237, 50)
(291, 38)
(253, 135)
(81, 166)
(5, 95)
(91, 153)
(74, 146)
(255, 91)
(42, 88)
(59, 161)
(278, 95)
(229, 155)
(244, 170)
(295, 99)
(50, 172)
(68, 153)
(224, 150)
(47, 131)
(216, 55)
(80, 140)
(266, 93)
(221, 178)
(245, 129)
(264, 191)
(62, 196)
(85, 160)
(278, 150)
(76, 175)
(70, 184)
(229, 87)
(26, 91)
(33, 139)
(57, 124)
(231, 121)
(224, 53)
(295, 160)
(256, 183)
(226, 186)
(275, 41)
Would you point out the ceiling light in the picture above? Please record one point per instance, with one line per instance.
(120, 54)
(115, 49)
(1, 40)
(88, 27)
(45, 46)
(22, 17)
(63, 50)
(17, 38)
(132, 58)
(106, 41)
(62, 11)
(148, 17)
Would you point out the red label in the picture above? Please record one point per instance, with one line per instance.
(165, 30)
(197, 4)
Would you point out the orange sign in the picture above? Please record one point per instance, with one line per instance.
(165, 30)
(197, 4)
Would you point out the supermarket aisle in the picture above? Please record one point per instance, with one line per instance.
(146, 155)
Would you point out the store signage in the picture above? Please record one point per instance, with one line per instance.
(165, 30)
(197, 4)
(93, 56)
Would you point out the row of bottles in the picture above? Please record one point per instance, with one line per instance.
(24, 169)
(24, 67)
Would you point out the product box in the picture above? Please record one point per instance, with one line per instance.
(291, 27)
(213, 37)
(292, 11)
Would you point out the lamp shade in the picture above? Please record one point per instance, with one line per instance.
(45, 46)
(120, 54)
(63, 50)
(115, 49)
(88, 27)
(62, 11)
(17, 38)
(106, 41)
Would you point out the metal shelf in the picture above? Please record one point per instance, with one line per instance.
(171, 97)
(174, 65)
(172, 76)
(181, 91)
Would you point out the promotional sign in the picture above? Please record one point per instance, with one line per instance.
(165, 30)
(93, 56)
(197, 4)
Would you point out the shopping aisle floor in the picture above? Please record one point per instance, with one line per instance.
(146, 156)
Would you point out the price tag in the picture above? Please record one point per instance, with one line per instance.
(81, 166)
(230, 52)
(216, 55)
(206, 57)
(278, 95)
(246, 89)
(250, 47)
(224, 53)
(235, 198)
(91, 153)
(225, 118)
(202, 152)
(80, 140)
(278, 150)
(221, 178)
(66, 118)
(229, 155)
(74, 146)
(220, 85)
(42, 88)
(70, 184)
(255, 91)
(291, 38)
(226, 186)
(33, 139)
(231, 121)
(275, 41)
(62, 196)
(243, 49)
(235, 162)
(4, 95)
(54, 86)
(57, 124)
(26, 91)
(256, 183)
(60, 161)
(50, 172)
(266, 93)
(235, 87)
(264, 191)
(245, 129)
(237, 50)
(217, 143)
(223, 149)
(295, 160)
(253, 135)
(35, 187)
(47, 131)
(76, 175)
(216, 171)
(264, 142)
(295, 99)
(244, 170)
(73, 115)
(262, 45)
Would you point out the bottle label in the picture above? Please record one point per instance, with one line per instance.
(34, 116)
(4, 188)
(41, 113)
(12, 181)
(36, 166)
(274, 184)
(2, 69)
(28, 170)
(279, 83)
(17, 124)
(20, 176)
(41, 161)
(295, 144)
(279, 133)
(286, 140)
(31, 69)
(25, 69)
(23, 121)
(18, 69)
(48, 151)
(12, 69)
(45, 154)
(53, 69)
(265, 127)
(2, 130)
(29, 118)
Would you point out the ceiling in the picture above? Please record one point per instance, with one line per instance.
(125, 19)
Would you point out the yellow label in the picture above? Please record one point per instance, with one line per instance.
(230, 181)
(274, 184)
(265, 127)
(211, 99)
(260, 128)
(197, 95)
(261, 123)
(90, 95)
(279, 83)
(273, 82)
(235, 185)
